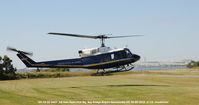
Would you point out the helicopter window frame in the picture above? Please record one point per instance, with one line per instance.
(112, 56)
(94, 51)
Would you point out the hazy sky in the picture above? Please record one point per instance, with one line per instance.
(171, 27)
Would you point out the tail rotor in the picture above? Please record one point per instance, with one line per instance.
(19, 51)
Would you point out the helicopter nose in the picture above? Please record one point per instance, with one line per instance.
(136, 57)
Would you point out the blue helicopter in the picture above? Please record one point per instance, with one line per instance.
(93, 58)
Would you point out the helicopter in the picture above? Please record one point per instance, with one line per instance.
(100, 58)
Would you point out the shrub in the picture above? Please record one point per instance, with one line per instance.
(193, 64)
(57, 70)
(7, 71)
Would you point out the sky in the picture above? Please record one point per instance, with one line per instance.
(170, 27)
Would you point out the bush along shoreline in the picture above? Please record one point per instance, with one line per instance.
(54, 74)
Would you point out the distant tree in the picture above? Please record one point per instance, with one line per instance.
(7, 71)
(193, 64)
(38, 70)
(197, 63)
(1, 67)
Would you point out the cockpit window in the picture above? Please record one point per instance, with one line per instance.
(128, 53)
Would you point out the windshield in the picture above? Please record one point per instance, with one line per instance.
(128, 53)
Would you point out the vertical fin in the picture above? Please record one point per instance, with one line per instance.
(26, 60)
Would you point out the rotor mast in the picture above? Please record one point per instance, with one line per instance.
(102, 38)
(102, 42)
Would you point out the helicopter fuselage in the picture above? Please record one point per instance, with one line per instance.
(110, 59)
(94, 58)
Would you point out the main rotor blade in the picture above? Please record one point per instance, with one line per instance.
(74, 35)
(125, 36)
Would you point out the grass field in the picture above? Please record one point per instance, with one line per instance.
(124, 86)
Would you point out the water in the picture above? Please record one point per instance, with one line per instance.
(159, 67)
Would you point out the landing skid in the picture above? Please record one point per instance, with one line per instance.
(116, 69)
(125, 67)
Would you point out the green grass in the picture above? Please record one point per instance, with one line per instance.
(117, 87)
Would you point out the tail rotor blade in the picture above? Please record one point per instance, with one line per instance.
(12, 49)
(15, 50)
(27, 53)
